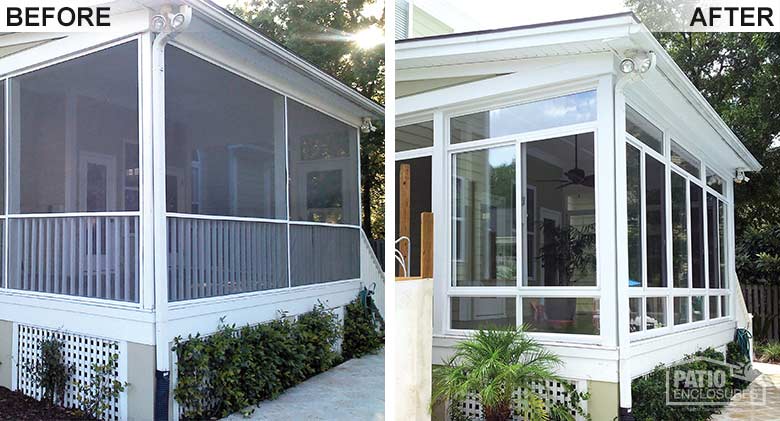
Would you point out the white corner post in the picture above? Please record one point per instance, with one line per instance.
(621, 241)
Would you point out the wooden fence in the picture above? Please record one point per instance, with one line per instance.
(763, 301)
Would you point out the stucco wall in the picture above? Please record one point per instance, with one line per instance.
(603, 402)
(6, 346)
(140, 376)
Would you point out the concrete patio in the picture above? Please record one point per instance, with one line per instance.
(751, 406)
(354, 390)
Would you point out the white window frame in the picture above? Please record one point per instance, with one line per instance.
(670, 292)
(519, 140)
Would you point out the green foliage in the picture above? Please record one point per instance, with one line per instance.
(363, 329)
(768, 353)
(96, 395)
(321, 32)
(233, 368)
(51, 372)
(493, 364)
(737, 74)
(649, 392)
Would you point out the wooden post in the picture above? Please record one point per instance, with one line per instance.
(405, 215)
(426, 241)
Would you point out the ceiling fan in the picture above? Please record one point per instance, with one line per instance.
(575, 176)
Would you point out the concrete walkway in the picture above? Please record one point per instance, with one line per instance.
(751, 405)
(354, 390)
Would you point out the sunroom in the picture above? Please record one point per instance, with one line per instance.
(160, 180)
(589, 201)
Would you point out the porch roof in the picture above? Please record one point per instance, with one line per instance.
(613, 34)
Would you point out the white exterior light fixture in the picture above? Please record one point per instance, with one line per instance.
(637, 63)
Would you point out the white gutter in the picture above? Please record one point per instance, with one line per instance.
(239, 27)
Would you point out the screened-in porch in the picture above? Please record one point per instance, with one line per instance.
(261, 190)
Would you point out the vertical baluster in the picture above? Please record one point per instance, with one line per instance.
(25, 224)
(252, 255)
(82, 257)
(46, 255)
(208, 261)
(172, 259)
(58, 234)
(34, 255)
(203, 256)
(234, 248)
(127, 261)
(188, 260)
(72, 260)
(220, 258)
(119, 293)
(90, 257)
(99, 258)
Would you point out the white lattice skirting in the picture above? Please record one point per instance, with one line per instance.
(80, 352)
(553, 392)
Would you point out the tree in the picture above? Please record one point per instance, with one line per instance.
(321, 32)
(739, 75)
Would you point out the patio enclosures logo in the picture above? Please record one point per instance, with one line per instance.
(709, 16)
(54, 16)
(697, 381)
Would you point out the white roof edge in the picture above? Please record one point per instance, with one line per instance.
(678, 79)
(666, 65)
(239, 27)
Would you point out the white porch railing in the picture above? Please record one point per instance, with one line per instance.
(85, 256)
(209, 258)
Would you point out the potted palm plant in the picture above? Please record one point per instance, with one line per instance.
(493, 365)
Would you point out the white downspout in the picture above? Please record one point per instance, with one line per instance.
(166, 24)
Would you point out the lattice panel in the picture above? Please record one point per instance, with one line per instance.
(552, 392)
(80, 353)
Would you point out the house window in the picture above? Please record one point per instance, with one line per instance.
(414, 136)
(537, 115)
(696, 223)
(224, 141)
(323, 167)
(471, 313)
(75, 120)
(714, 181)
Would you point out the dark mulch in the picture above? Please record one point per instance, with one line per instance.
(17, 406)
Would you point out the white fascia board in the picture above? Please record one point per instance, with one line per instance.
(123, 26)
(21, 38)
(482, 43)
(239, 28)
(587, 67)
(669, 69)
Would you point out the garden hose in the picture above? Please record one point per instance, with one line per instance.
(742, 338)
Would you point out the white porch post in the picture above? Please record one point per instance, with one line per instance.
(146, 199)
(439, 203)
(621, 252)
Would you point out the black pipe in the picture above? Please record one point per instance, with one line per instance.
(624, 414)
(161, 389)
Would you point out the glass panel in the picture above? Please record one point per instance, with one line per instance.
(644, 130)
(724, 305)
(420, 201)
(714, 181)
(224, 141)
(323, 167)
(722, 238)
(698, 308)
(544, 114)
(655, 219)
(713, 307)
(320, 254)
(483, 312)
(635, 311)
(414, 136)
(563, 172)
(634, 208)
(681, 310)
(679, 232)
(75, 120)
(656, 312)
(697, 236)
(562, 315)
(713, 242)
(685, 160)
(484, 218)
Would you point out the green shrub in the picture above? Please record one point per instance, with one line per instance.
(51, 372)
(96, 395)
(233, 368)
(649, 392)
(769, 353)
(363, 328)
